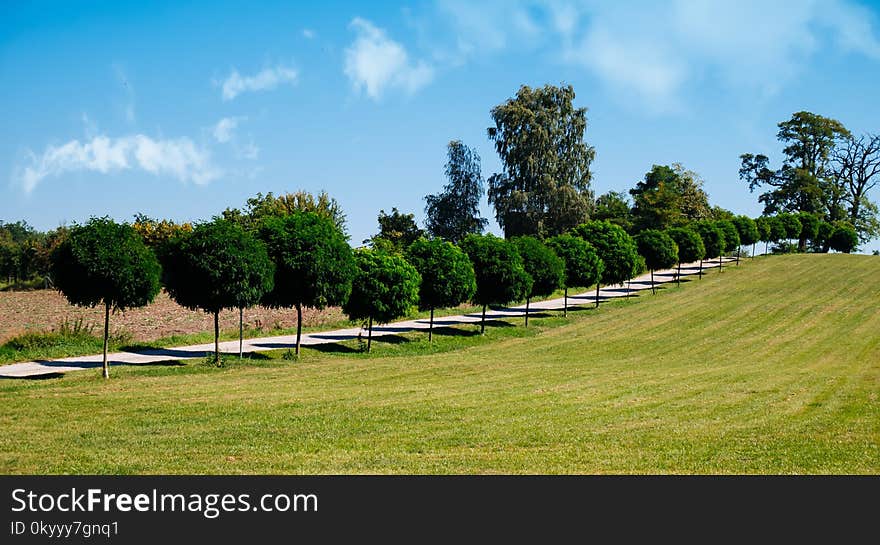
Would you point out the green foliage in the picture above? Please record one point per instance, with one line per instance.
(690, 245)
(501, 276)
(777, 229)
(614, 207)
(448, 278)
(809, 228)
(668, 196)
(314, 265)
(541, 263)
(657, 248)
(844, 238)
(747, 230)
(218, 265)
(396, 232)
(730, 235)
(104, 262)
(616, 249)
(712, 236)
(544, 188)
(762, 223)
(583, 267)
(791, 224)
(822, 242)
(385, 287)
(262, 206)
(455, 213)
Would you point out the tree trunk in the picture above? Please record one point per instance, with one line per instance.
(753, 250)
(720, 265)
(217, 337)
(299, 324)
(678, 276)
(240, 331)
(528, 300)
(483, 322)
(369, 334)
(701, 269)
(766, 247)
(597, 295)
(653, 289)
(738, 251)
(627, 288)
(431, 327)
(565, 302)
(105, 365)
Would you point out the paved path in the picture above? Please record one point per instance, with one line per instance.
(44, 368)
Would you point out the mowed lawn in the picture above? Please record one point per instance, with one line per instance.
(772, 367)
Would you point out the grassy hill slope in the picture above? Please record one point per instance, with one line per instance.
(771, 367)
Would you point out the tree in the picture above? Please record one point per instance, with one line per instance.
(804, 182)
(763, 225)
(731, 238)
(856, 170)
(263, 206)
(501, 276)
(747, 231)
(616, 249)
(541, 263)
(791, 224)
(583, 267)
(668, 196)
(844, 238)
(455, 213)
(713, 239)
(614, 207)
(217, 266)
(690, 247)
(448, 278)
(823, 237)
(103, 262)
(659, 251)
(385, 287)
(778, 229)
(155, 232)
(539, 137)
(396, 231)
(809, 229)
(314, 265)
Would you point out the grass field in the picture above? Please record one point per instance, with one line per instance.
(772, 367)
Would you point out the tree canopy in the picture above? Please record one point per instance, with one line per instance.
(541, 263)
(501, 276)
(658, 250)
(747, 230)
(396, 231)
(844, 238)
(730, 235)
(544, 186)
(712, 236)
(668, 196)
(262, 206)
(455, 213)
(615, 247)
(690, 245)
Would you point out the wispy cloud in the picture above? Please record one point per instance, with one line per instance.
(267, 79)
(374, 63)
(224, 130)
(178, 158)
(308, 33)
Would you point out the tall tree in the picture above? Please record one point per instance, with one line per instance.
(856, 170)
(396, 231)
(501, 276)
(217, 266)
(105, 263)
(615, 208)
(455, 213)
(541, 263)
(448, 278)
(804, 183)
(544, 186)
(668, 196)
(314, 265)
(583, 267)
(385, 287)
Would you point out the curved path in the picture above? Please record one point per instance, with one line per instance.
(54, 367)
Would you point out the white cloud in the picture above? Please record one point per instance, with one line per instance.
(374, 63)
(267, 79)
(224, 130)
(179, 158)
(308, 33)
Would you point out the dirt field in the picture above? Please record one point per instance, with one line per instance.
(45, 310)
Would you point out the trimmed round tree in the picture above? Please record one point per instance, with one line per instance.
(844, 238)
(731, 238)
(713, 239)
(763, 225)
(777, 229)
(217, 266)
(583, 267)
(791, 224)
(384, 287)
(823, 236)
(616, 249)
(501, 276)
(690, 246)
(748, 232)
(105, 263)
(659, 251)
(545, 267)
(448, 278)
(314, 265)
(809, 229)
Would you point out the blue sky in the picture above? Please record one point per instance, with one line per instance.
(178, 110)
